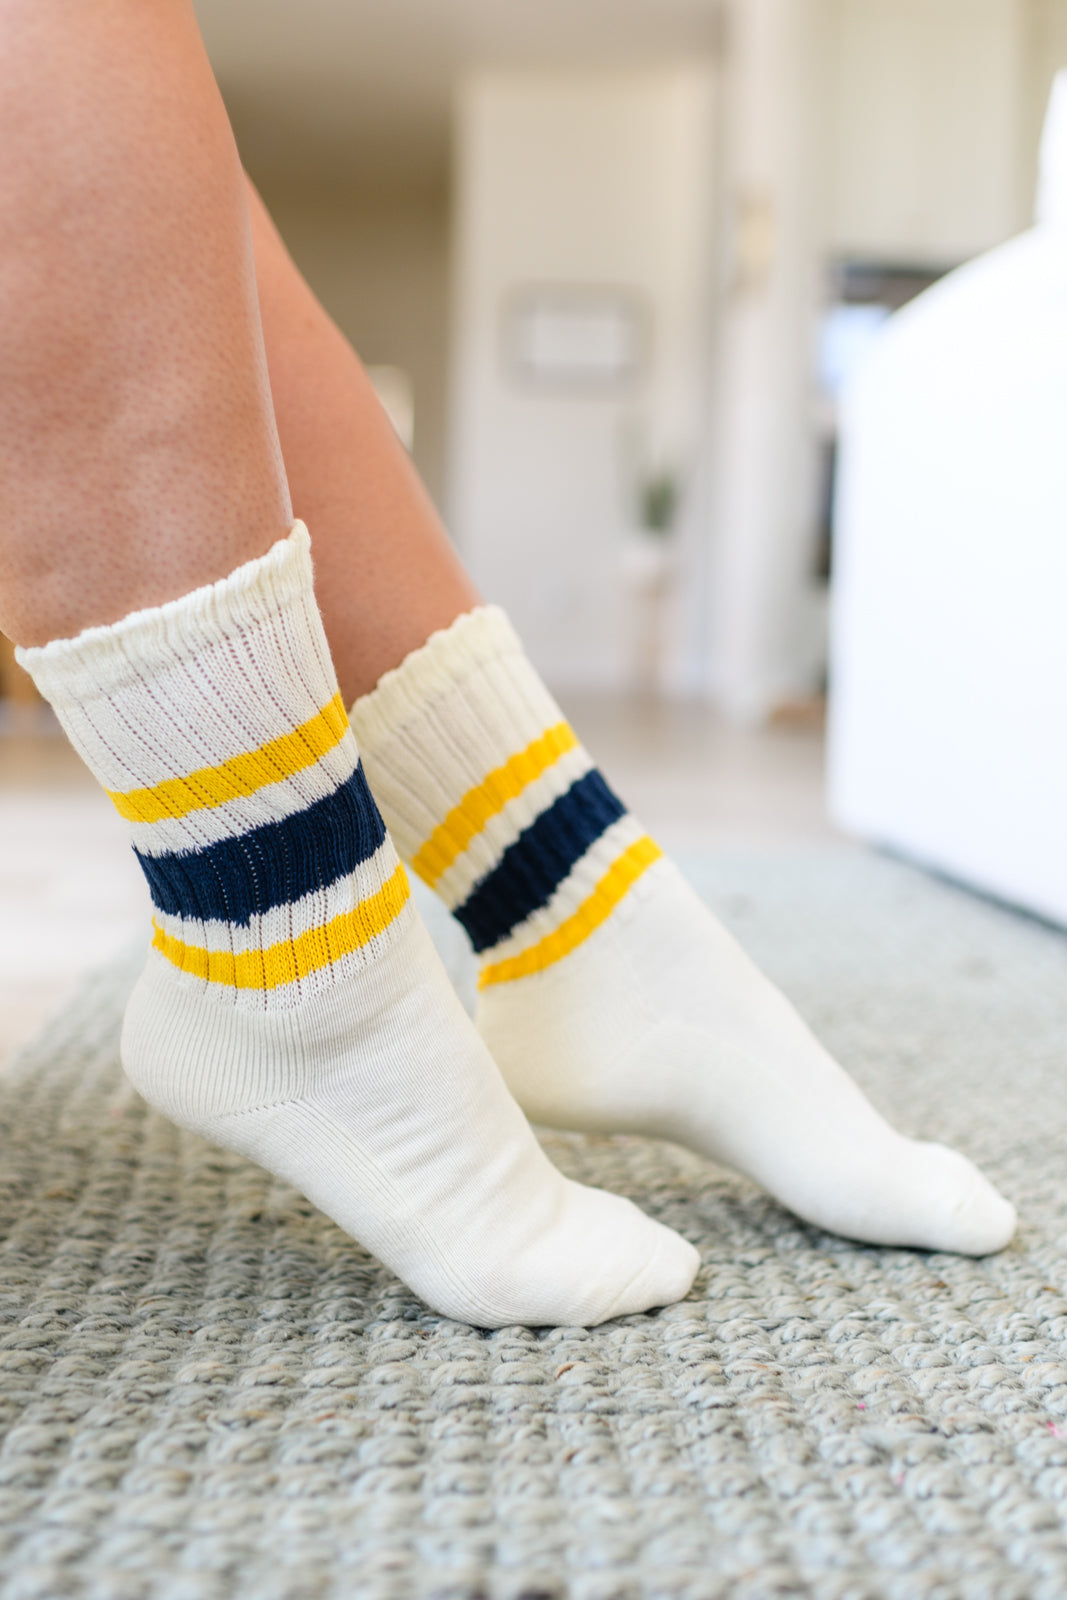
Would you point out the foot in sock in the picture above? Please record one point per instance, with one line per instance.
(293, 1007)
(610, 997)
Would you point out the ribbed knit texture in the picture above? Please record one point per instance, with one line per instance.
(610, 997)
(293, 1008)
(494, 802)
(216, 725)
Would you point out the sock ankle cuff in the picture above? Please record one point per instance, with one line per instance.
(101, 660)
(435, 729)
(476, 639)
(493, 800)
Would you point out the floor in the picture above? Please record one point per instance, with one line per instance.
(73, 895)
(208, 1391)
(71, 891)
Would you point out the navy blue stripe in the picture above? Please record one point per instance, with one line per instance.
(240, 878)
(532, 869)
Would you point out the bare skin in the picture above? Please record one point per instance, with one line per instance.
(138, 452)
(386, 575)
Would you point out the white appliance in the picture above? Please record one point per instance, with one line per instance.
(948, 724)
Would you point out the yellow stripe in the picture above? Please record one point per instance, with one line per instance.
(293, 958)
(484, 801)
(242, 775)
(620, 877)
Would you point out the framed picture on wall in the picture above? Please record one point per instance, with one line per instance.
(566, 336)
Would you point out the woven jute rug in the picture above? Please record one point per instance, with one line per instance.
(207, 1391)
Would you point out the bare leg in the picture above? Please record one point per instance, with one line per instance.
(137, 444)
(386, 576)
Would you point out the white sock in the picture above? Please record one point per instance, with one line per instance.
(611, 998)
(293, 1007)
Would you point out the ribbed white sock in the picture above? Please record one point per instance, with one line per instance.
(293, 1007)
(611, 998)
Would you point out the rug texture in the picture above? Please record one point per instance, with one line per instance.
(208, 1392)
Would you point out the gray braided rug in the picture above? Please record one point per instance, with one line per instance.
(206, 1391)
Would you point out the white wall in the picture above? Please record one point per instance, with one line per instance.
(579, 178)
(927, 127)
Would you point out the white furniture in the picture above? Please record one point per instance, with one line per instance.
(948, 734)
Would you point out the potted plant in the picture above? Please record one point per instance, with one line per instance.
(648, 570)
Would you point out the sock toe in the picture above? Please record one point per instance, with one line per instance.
(666, 1277)
(979, 1221)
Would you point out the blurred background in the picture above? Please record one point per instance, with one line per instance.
(611, 263)
(596, 242)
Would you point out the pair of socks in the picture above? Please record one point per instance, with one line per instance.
(293, 1009)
